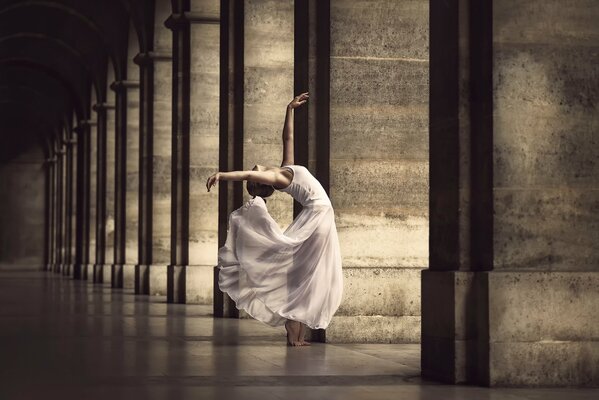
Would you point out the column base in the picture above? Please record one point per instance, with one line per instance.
(190, 284)
(128, 276)
(511, 328)
(116, 276)
(97, 273)
(158, 277)
(151, 279)
(106, 272)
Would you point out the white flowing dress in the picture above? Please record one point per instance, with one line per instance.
(295, 274)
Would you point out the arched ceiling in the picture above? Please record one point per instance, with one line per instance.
(51, 55)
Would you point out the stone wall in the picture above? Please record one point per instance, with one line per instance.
(22, 205)
(268, 88)
(543, 293)
(379, 165)
(546, 135)
(204, 138)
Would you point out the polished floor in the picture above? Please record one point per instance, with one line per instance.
(67, 339)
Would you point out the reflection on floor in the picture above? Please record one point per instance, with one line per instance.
(67, 339)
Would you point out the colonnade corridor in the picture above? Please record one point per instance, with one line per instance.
(68, 339)
(451, 147)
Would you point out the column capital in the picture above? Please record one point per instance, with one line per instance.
(79, 129)
(51, 160)
(151, 56)
(102, 107)
(121, 86)
(178, 21)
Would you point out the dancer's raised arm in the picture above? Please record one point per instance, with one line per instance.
(288, 128)
(270, 177)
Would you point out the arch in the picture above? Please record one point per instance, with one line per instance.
(78, 94)
(102, 26)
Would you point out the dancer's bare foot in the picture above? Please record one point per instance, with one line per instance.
(292, 328)
(302, 331)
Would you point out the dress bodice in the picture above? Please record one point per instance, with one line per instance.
(305, 188)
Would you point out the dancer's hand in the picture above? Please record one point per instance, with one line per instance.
(212, 179)
(299, 100)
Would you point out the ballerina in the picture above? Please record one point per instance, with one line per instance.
(292, 278)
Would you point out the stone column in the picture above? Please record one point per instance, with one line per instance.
(127, 150)
(60, 200)
(155, 149)
(69, 143)
(111, 161)
(82, 209)
(230, 194)
(51, 210)
(93, 198)
(454, 294)
(100, 244)
(194, 125)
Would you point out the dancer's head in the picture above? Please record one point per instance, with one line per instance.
(259, 189)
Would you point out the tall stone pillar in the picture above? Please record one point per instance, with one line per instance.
(195, 138)
(126, 179)
(92, 196)
(511, 294)
(100, 244)
(82, 194)
(60, 200)
(70, 145)
(454, 293)
(110, 206)
(51, 210)
(230, 194)
(155, 153)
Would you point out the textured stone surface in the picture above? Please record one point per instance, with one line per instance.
(543, 328)
(268, 88)
(110, 178)
(546, 163)
(161, 213)
(93, 174)
(199, 284)
(22, 203)
(203, 205)
(379, 162)
(158, 277)
(128, 276)
(380, 291)
(374, 329)
(132, 194)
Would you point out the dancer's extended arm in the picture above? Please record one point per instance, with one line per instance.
(288, 128)
(266, 177)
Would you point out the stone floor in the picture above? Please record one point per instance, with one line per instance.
(67, 339)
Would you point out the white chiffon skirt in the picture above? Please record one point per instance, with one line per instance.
(275, 275)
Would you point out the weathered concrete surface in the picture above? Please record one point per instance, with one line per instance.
(161, 174)
(128, 276)
(110, 178)
(543, 328)
(546, 147)
(374, 329)
(22, 205)
(93, 174)
(199, 284)
(268, 80)
(158, 280)
(132, 154)
(204, 153)
(379, 163)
